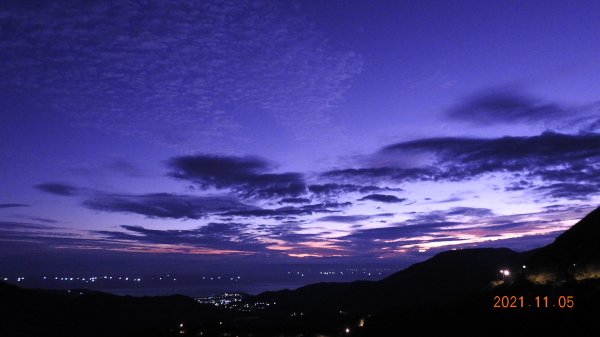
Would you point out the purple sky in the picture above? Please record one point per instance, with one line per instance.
(294, 131)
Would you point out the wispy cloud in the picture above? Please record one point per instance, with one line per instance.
(13, 205)
(494, 107)
(164, 205)
(58, 189)
(217, 238)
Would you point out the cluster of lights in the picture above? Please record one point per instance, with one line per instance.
(18, 279)
(217, 278)
(95, 278)
(224, 300)
(91, 279)
(367, 272)
(234, 301)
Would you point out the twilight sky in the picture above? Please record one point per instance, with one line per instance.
(293, 131)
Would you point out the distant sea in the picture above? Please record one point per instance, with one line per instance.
(193, 285)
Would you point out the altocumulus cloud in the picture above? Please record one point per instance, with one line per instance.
(155, 68)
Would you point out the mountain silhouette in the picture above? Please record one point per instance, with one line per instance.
(447, 275)
(450, 293)
(436, 281)
(579, 246)
(32, 312)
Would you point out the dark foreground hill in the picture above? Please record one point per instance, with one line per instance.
(455, 293)
(580, 245)
(28, 312)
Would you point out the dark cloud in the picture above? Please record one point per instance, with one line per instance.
(213, 238)
(58, 189)
(164, 205)
(352, 218)
(450, 214)
(469, 211)
(374, 239)
(375, 174)
(13, 205)
(45, 238)
(215, 235)
(294, 201)
(245, 175)
(35, 218)
(447, 200)
(436, 226)
(505, 107)
(266, 213)
(570, 191)
(446, 215)
(518, 185)
(549, 157)
(592, 125)
(333, 189)
(43, 220)
(288, 211)
(515, 153)
(382, 198)
(13, 225)
(330, 205)
(443, 226)
(504, 225)
(345, 218)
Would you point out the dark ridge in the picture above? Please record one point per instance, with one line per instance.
(33, 312)
(579, 245)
